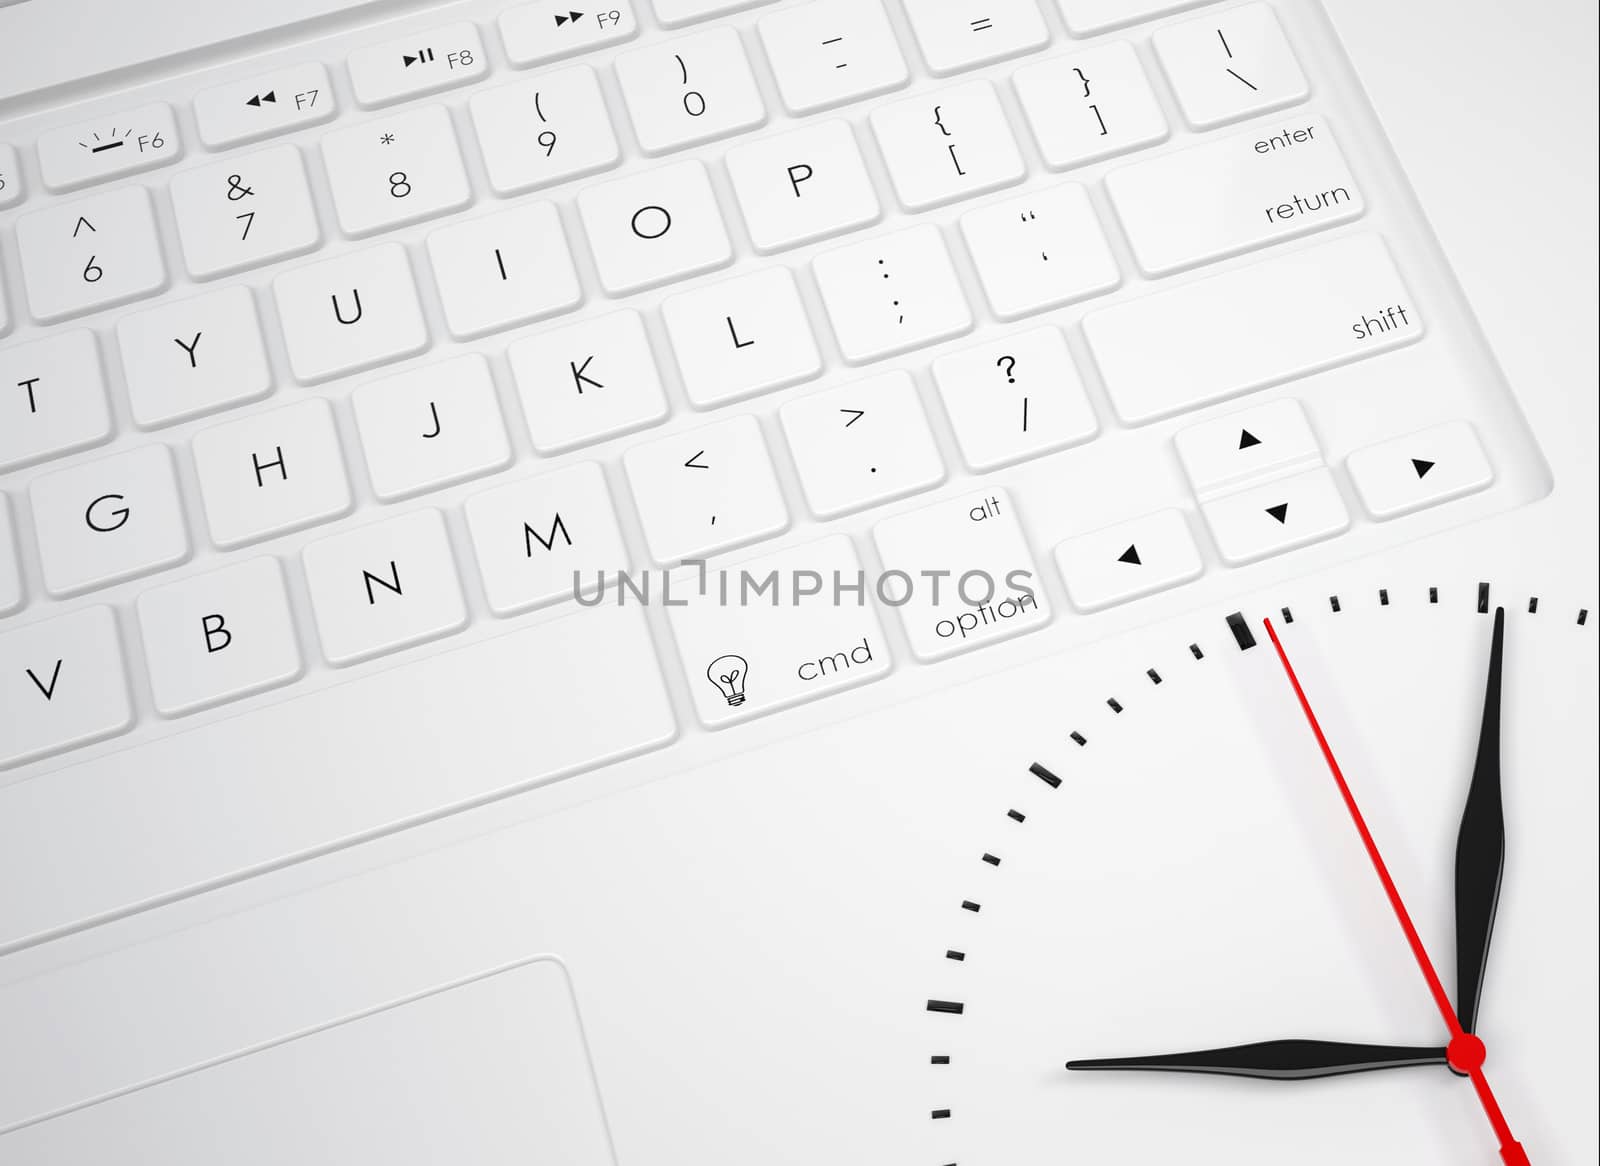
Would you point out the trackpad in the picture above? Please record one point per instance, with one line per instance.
(492, 1071)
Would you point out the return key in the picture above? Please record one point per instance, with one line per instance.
(1234, 195)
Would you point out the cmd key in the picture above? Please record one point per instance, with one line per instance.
(811, 630)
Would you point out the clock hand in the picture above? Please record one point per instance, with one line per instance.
(1278, 1060)
(1481, 846)
(1465, 1052)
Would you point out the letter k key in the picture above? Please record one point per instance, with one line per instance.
(580, 375)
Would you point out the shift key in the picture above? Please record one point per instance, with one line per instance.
(961, 574)
(1277, 319)
(766, 633)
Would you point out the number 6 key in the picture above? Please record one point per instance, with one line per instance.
(90, 254)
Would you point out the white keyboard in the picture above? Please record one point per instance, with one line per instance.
(381, 342)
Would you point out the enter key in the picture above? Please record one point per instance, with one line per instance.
(1234, 194)
(774, 631)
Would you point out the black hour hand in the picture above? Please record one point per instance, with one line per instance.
(1481, 846)
(1276, 1060)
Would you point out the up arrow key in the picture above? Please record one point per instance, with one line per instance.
(1131, 555)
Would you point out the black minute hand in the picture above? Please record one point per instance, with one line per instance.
(1481, 846)
(1277, 1060)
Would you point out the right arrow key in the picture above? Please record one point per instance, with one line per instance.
(1421, 469)
(1278, 516)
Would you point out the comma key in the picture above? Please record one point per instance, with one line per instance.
(961, 574)
(772, 632)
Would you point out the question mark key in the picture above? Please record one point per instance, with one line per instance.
(1014, 398)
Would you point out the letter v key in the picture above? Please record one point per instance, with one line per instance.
(50, 690)
(91, 706)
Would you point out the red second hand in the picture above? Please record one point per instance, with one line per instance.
(1466, 1052)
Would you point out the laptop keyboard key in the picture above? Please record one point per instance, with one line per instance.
(1276, 517)
(349, 313)
(675, 12)
(587, 381)
(11, 192)
(1265, 187)
(1230, 66)
(705, 491)
(104, 521)
(1018, 247)
(244, 212)
(742, 336)
(1253, 444)
(271, 473)
(420, 62)
(503, 269)
(290, 98)
(380, 588)
(62, 684)
(544, 31)
(546, 130)
(970, 577)
(10, 564)
(82, 256)
(1014, 398)
(1419, 470)
(1086, 17)
(694, 89)
(893, 293)
(952, 39)
(861, 444)
(111, 146)
(193, 356)
(1251, 327)
(431, 426)
(395, 170)
(1090, 105)
(783, 647)
(218, 637)
(1128, 561)
(830, 52)
(52, 398)
(535, 538)
(788, 201)
(946, 145)
(654, 227)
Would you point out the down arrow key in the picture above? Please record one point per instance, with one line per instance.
(1254, 523)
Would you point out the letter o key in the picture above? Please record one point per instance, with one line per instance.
(655, 217)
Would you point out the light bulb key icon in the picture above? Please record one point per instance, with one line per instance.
(728, 673)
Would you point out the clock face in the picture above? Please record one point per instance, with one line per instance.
(1170, 877)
